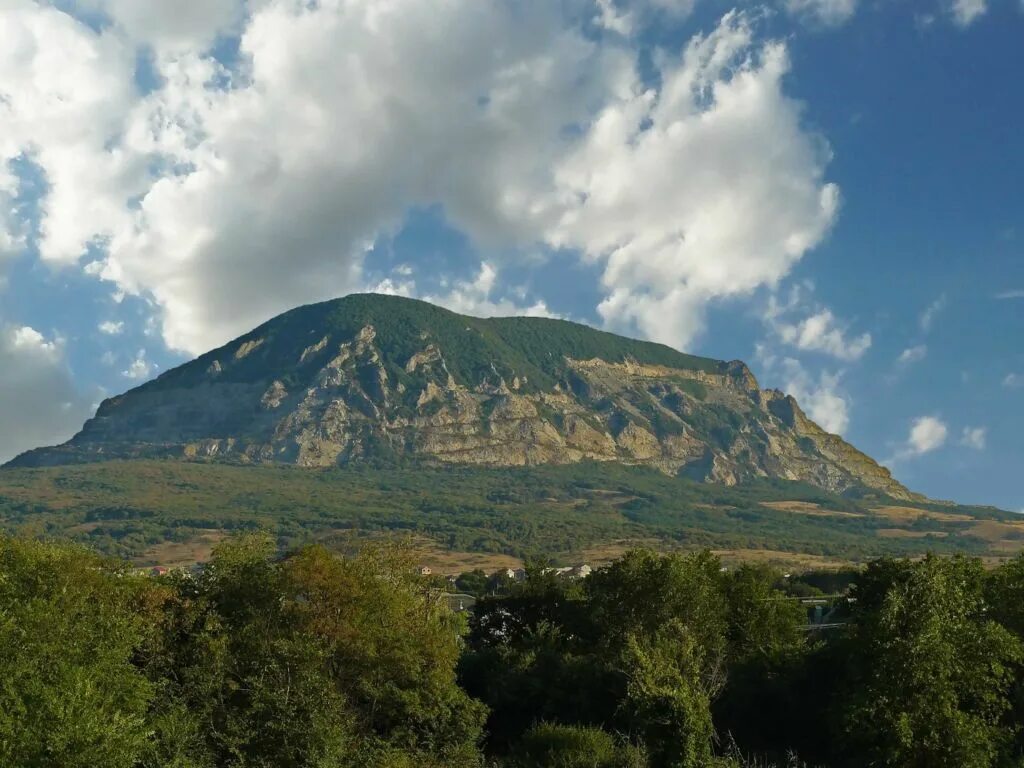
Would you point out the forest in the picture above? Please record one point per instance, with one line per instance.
(133, 509)
(311, 659)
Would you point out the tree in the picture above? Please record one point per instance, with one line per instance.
(929, 671)
(548, 745)
(472, 583)
(763, 624)
(70, 695)
(668, 696)
(316, 661)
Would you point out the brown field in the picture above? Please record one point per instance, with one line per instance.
(613, 550)
(1004, 538)
(786, 560)
(447, 563)
(807, 508)
(174, 554)
(909, 514)
(903, 533)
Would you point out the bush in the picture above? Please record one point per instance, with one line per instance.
(549, 745)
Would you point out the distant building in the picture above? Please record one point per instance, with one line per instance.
(424, 570)
(159, 570)
(582, 571)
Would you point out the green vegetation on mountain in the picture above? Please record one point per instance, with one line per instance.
(475, 349)
(148, 510)
(654, 661)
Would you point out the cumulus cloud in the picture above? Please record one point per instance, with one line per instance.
(627, 17)
(40, 404)
(226, 195)
(111, 328)
(912, 355)
(828, 13)
(931, 312)
(65, 94)
(966, 12)
(140, 368)
(178, 24)
(1014, 294)
(974, 437)
(12, 230)
(478, 296)
(927, 434)
(821, 396)
(816, 331)
(706, 189)
(1013, 380)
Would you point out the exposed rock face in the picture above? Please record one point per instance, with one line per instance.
(379, 378)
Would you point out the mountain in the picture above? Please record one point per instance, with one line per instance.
(371, 378)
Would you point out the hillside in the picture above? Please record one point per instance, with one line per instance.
(460, 517)
(371, 379)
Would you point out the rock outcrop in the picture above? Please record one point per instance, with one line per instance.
(374, 378)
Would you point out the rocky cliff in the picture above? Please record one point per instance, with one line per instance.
(389, 379)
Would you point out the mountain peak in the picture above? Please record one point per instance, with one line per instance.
(373, 377)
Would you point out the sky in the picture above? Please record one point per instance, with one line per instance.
(830, 190)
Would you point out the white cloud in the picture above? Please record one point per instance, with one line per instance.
(829, 13)
(974, 437)
(821, 397)
(931, 312)
(626, 17)
(1013, 380)
(476, 297)
(927, 434)
(225, 197)
(178, 24)
(966, 12)
(65, 93)
(615, 18)
(140, 368)
(111, 328)
(12, 231)
(912, 355)
(1014, 294)
(818, 330)
(706, 189)
(40, 405)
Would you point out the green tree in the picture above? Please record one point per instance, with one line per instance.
(763, 623)
(930, 669)
(472, 583)
(314, 661)
(70, 695)
(548, 745)
(668, 696)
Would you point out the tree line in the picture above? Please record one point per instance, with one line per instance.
(655, 661)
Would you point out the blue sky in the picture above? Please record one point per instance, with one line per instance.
(827, 189)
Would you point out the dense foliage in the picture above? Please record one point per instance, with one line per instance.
(132, 509)
(532, 348)
(652, 662)
(307, 661)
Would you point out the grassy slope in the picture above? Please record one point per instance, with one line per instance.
(474, 348)
(131, 508)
